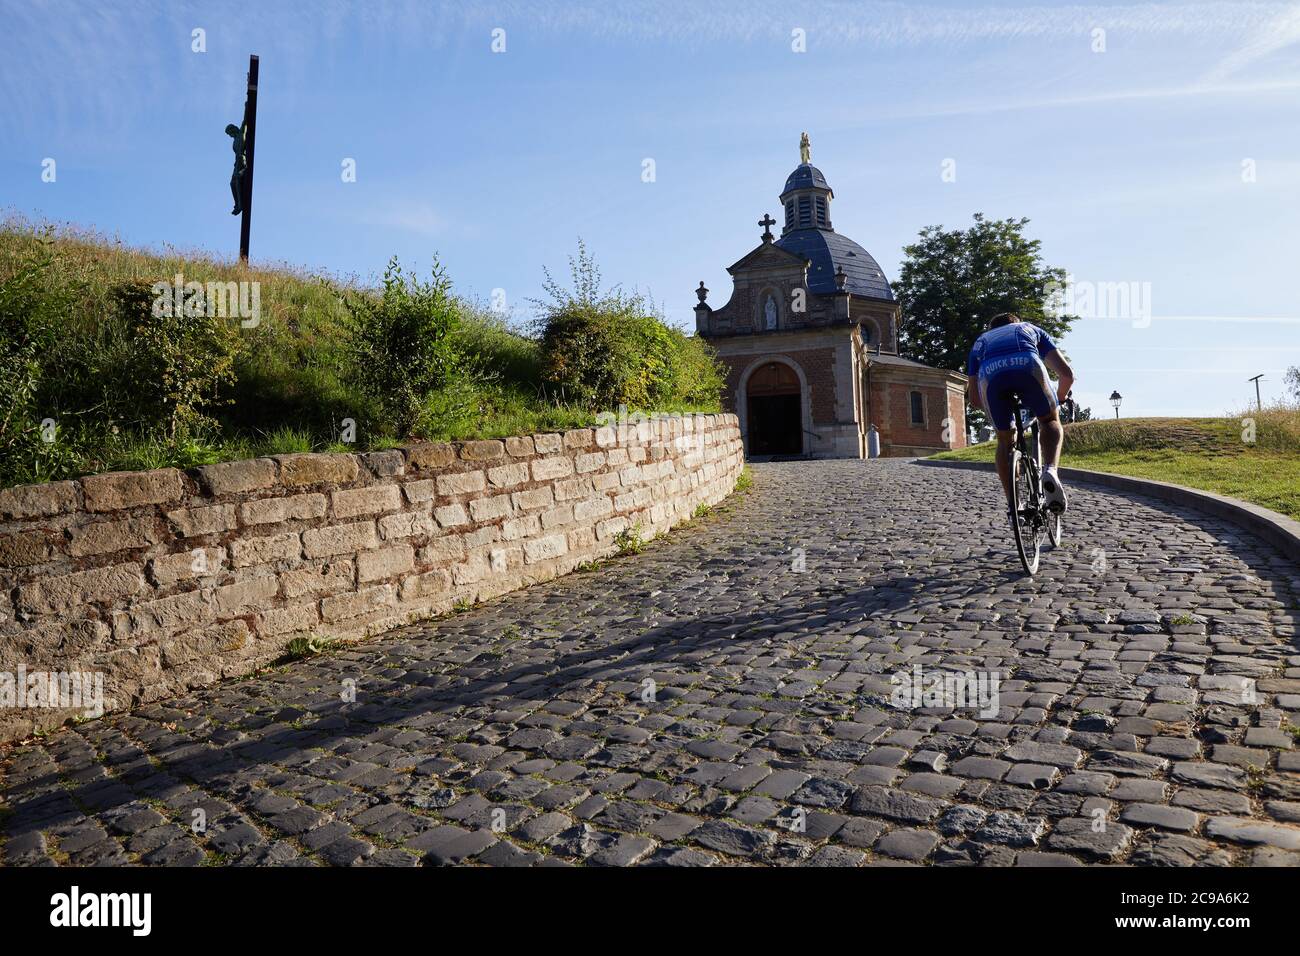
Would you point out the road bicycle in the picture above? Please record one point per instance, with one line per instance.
(1033, 519)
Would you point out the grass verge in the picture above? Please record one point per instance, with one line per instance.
(1254, 456)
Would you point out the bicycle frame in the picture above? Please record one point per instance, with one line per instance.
(1031, 518)
(1025, 439)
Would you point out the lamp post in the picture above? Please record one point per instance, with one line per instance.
(1259, 402)
(1115, 399)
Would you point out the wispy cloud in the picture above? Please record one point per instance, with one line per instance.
(419, 218)
(67, 60)
(886, 23)
(1137, 94)
(1280, 32)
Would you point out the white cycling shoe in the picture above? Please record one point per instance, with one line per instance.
(1054, 491)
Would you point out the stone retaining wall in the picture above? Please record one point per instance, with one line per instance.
(167, 580)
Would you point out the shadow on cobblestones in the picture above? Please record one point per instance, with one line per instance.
(724, 698)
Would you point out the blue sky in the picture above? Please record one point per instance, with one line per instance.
(1170, 159)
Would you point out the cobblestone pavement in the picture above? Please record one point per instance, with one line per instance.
(707, 702)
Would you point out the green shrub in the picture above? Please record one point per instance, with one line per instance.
(36, 442)
(401, 344)
(698, 378)
(605, 349)
(120, 388)
(182, 357)
(26, 332)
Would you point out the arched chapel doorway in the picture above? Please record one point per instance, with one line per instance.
(775, 417)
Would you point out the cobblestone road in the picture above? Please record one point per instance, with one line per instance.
(707, 702)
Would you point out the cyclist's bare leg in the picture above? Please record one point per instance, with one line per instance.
(1051, 438)
(1006, 440)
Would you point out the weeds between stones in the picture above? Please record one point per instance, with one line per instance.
(301, 648)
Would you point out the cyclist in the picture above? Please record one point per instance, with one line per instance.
(1014, 356)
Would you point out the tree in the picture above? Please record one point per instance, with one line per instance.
(953, 281)
(1292, 382)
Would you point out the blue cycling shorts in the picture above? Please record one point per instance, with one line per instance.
(1022, 373)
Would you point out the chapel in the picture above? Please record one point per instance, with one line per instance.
(809, 338)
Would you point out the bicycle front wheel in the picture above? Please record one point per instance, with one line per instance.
(1024, 526)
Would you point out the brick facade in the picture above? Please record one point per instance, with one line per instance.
(847, 385)
(818, 368)
(819, 304)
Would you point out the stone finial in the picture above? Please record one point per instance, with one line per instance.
(702, 292)
(841, 280)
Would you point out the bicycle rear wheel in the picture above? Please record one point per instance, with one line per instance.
(1054, 528)
(1026, 528)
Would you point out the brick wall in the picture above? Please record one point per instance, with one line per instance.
(167, 580)
(902, 431)
(891, 411)
(957, 411)
(816, 364)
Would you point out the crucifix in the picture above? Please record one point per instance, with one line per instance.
(244, 139)
(767, 222)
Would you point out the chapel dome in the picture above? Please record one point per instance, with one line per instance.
(805, 176)
(829, 252)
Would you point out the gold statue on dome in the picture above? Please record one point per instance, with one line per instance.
(805, 149)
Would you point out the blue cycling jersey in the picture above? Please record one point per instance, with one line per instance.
(1008, 361)
(1016, 339)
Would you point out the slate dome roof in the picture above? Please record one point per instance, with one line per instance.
(805, 176)
(828, 251)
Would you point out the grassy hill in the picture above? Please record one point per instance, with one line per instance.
(76, 364)
(1207, 453)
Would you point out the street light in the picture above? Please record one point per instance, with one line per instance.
(1259, 402)
(1115, 399)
